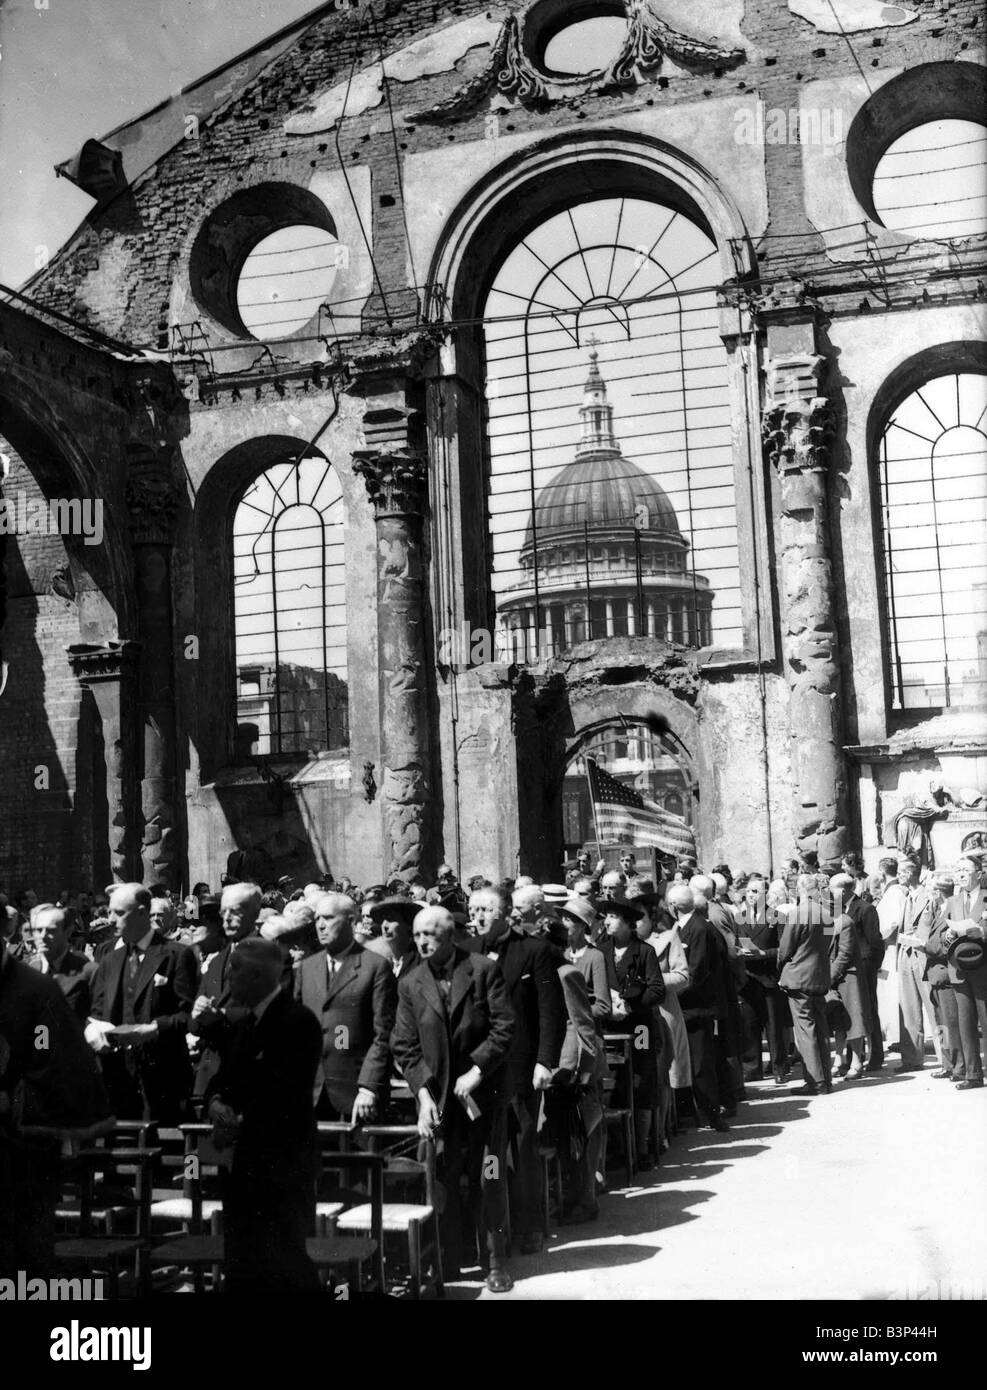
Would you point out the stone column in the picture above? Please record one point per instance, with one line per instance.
(153, 498)
(397, 483)
(797, 431)
(110, 672)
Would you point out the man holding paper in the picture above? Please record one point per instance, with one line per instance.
(142, 994)
(453, 1034)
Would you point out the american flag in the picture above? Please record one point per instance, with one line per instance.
(621, 813)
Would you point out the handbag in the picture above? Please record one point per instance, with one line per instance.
(837, 1017)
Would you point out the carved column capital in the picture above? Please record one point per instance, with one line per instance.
(797, 425)
(397, 483)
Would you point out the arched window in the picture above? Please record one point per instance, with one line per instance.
(290, 611)
(609, 426)
(933, 481)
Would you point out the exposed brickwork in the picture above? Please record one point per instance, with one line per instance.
(39, 708)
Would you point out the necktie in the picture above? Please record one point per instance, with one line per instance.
(966, 904)
(133, 962)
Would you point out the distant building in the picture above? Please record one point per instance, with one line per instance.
(603, 555)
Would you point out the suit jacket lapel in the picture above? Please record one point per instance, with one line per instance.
(114, 976)
(316, 983)
(148, 967)
(462, 979)
(348, 968)
(510, 960)
(425, 981)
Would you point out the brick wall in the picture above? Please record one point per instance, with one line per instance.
(151, 221)
(39, 708)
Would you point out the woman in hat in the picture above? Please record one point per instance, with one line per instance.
(636, 993)
(579, 917)
(674, 966)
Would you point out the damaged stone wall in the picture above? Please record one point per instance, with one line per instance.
(488, 743)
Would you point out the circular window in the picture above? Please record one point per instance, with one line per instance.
(285, 279)
(932, 182)
(915, 151)
(567, 39)
(264, 260)
(588, 45)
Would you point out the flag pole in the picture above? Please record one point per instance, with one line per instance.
(592, 802)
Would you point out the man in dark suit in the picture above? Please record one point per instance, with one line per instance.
(71, 970)
(50, 1088)
(701, 1000)
(803, 966)
(260, 1104)
(760, 989)
(964, 916)
(213, 1010)
(859, 907)
(536, 997)
(142, 996)
(353, 994)
(451, 1040)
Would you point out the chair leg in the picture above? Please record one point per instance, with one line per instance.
(440, 1288)
(415, 1259)
(629, 1149)
(546, 1216)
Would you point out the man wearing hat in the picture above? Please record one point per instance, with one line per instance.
(963, 939)
(636, 989)
(395, 917)
(582, 867)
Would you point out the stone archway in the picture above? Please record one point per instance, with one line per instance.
(600, 686)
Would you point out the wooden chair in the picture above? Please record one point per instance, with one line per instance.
(116, 1203)
(407, 1161)
(334, 1136)
(327, 1251)
(112, 1169)
(189, 1156)
(620, 1058)
(335, 1198)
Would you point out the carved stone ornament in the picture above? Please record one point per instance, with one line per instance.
(512, 75)
(397, 483)
(797, 426)
(110, 661)
(153, 499)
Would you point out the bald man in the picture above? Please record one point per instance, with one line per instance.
(260, 1104)
(213, 1009)
(71, 970)
(141, 1002)
(353, 994)
(452, 1040)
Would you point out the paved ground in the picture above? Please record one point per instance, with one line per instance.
(873, 1192)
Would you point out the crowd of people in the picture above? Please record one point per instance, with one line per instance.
(493, 1009)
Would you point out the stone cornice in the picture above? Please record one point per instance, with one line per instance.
(110, 661)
